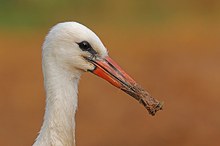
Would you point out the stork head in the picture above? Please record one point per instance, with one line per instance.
(75, 47)
(70, 44)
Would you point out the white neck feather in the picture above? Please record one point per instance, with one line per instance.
(61, 103)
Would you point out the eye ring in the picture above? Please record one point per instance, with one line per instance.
(85, 46)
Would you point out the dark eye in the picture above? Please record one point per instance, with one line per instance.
(85, 46)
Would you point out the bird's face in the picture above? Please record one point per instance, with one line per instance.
(75, 47)
(71, 44)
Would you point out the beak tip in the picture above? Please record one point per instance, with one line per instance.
(159, 106)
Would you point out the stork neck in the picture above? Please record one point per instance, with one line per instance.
(61, 103)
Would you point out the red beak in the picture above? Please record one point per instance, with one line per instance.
(108, 69)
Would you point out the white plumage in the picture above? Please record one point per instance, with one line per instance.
(62, 66)
(69, 50)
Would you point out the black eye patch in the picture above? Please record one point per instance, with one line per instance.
(85, 46)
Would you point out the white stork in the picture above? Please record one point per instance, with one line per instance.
(69, 50)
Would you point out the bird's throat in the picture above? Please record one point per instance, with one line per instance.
(61, 104)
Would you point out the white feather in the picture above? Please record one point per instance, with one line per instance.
(63, 65)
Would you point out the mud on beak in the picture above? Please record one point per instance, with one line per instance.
(107, 69)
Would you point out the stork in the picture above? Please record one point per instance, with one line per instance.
(69, 50)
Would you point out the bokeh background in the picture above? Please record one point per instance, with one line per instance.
(172, 48)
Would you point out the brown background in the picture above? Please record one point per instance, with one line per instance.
(177, 60)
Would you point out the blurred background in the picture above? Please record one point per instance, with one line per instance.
(170, 47)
